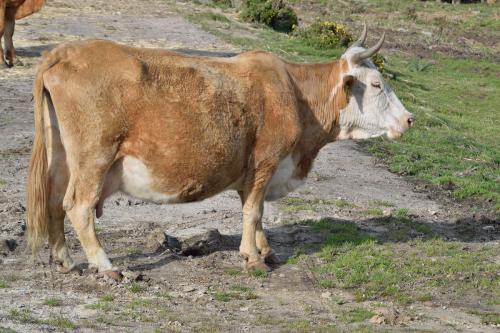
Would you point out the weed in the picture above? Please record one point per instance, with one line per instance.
(324, 35)
(135, 288)
(233, 272)
(258, 273)
(296, 204)
(103, 304)
(401, 212)
(52, 301)
(24, 316)
(212, 16)
(355, 315)
(3, 284)
(60, 322)
(222, 296)
(273, 13)
(342, 203)
(373, 211)
(380, 203)
(424, 297)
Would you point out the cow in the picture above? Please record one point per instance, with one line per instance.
(10, 11)
(172, 128)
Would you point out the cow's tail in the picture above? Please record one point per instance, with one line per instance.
(37, 187)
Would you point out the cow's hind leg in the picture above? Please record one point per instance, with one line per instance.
(58, 179)
(80, 202)
(10, 22)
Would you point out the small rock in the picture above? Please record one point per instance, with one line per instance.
(489, 228)
(387, 212)
(188, 289)
(326, 294)
(196, 242)
(433, 212)
(10, 244)
(244, 309)
(385, 316)
(133, 276)
(281, 275)
(156, 240)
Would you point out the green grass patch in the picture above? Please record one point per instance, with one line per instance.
(355, 315)
(373, 211)
(380, 203)
(394, 271)
(135, 288)
(455, 142)
(296, 204)
(235, 292)
(23, 316)
(52, 301)
(212, 16)
(60, 322)
(3, 284)
(233, 272)
(341, 203)
(486, 317)
(105, 303)
(401, 212)
(258, 273)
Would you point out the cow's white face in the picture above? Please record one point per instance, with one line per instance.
(373, 109)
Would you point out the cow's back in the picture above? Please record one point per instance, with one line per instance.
(192, 121)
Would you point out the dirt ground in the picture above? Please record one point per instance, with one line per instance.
(176, 292)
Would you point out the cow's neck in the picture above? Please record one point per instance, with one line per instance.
(319, 108)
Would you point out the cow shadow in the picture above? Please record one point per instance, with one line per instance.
(33, 51)
(312, 236)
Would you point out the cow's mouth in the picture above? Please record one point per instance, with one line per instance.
(394, 134)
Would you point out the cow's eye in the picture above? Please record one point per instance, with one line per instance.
(376, 84)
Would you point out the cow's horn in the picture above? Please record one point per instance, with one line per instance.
(358, 57)
(361, 39)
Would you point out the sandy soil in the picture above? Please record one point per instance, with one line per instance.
(175, 292)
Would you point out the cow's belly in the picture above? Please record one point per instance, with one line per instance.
(283, 181)
(137, 181)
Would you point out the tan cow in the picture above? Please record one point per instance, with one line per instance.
(10, 11)
(172, 128)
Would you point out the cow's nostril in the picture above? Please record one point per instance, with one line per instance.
(411, 120)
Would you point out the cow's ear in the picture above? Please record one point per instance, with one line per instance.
(347, 82)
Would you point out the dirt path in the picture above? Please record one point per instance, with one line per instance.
(179, 293)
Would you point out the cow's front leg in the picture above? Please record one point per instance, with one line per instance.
(266, 252)
(253, 208)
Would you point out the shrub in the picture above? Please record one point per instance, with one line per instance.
(324, 35)
(274, 13)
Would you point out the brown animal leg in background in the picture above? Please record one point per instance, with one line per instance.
(10, 22)
(253, 208)
(3, 5)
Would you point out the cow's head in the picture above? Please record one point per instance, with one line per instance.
(373, 108)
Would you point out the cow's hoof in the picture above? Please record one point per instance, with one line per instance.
(256, 266)
(271, 259)
(113, 275)
(66, 270)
